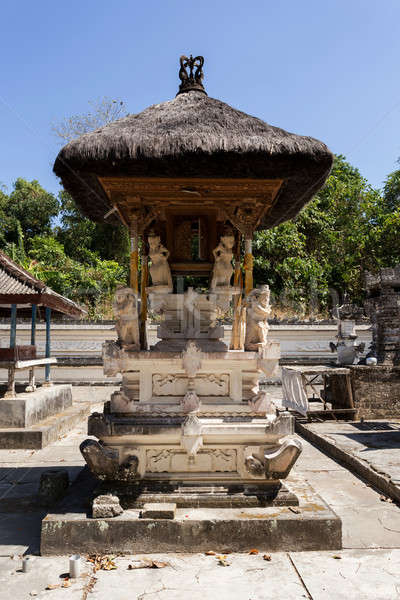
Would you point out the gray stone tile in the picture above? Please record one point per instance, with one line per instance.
(357, 575)
(200, 577)
(19, 586)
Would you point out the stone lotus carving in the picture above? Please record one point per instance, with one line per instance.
(104, 462)
(223, 270)
(125, 307)
(258, 310)
(159, 268)
(272, 464)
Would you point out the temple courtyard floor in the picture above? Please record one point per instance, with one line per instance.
(367, 567)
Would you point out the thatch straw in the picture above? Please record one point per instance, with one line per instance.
(196, 136)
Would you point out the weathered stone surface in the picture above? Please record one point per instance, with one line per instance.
(53, 486)
(45, 432)
(158, 510)
(376, 391)
(104, 462)
(383, 307)
(106, 507)
(27, 409)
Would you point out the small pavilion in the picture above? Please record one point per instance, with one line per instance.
(23, 295)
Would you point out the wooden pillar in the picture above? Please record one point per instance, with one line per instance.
(10, 393)
(13, 326)
(134, 258)
(248, 264)
(32, 384)
(48, 345)
(143, 297)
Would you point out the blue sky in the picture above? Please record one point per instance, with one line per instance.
(326, 69)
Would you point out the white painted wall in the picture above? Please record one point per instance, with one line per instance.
(75, 340)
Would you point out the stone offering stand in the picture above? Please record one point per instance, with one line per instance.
(190, 428)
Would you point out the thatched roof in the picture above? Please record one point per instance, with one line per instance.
(194, 135)
(18, 286)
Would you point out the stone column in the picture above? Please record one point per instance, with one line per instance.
(248, 264)
(47, 381)
(143, 296)
(134, 258)
(32, 384)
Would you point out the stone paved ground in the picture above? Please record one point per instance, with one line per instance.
(376, 444)
(367, 568)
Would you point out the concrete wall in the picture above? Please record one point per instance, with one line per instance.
(309, 342)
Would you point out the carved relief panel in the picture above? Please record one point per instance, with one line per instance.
(212, 460)
(177, 385)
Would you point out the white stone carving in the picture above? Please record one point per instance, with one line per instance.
(191, 358)
(158, 461)
(223, 269)
(191, 438)
(262, 404)
(191, 314)
(258, 310)
(224, 460)
(125, 308)
(177, 385)
(271, 463)
(169, 385)
(159, 268)
(212, 385)
(211, 460)
(190, 402)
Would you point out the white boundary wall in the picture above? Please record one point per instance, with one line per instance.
(85, 341)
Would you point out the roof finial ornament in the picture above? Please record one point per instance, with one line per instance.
(191, 80)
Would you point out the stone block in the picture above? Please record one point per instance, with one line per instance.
(32, 407)
(376, 391)
(53, 486)
(106, 507)
(159, 510)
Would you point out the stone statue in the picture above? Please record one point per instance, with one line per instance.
(159, 268)
(125, 307)
(258, 310)
(223, 270)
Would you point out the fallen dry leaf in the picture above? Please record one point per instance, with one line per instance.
(385, 499)
(66, 583)
(147, 563)
(105, 563)
(223, 562)
(336, 556)
(210, 553)
(52, 586)
(267, 557)
(253, 551)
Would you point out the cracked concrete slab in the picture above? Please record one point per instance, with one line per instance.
(356, 575)
(200, 577)
(370, 448)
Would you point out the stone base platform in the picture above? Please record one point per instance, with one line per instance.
(310, 526)
(44, 432)
(200, 496)
(29, 408)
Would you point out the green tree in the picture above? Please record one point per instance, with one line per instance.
(31, 206)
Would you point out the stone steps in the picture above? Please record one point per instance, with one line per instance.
(45, 432)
